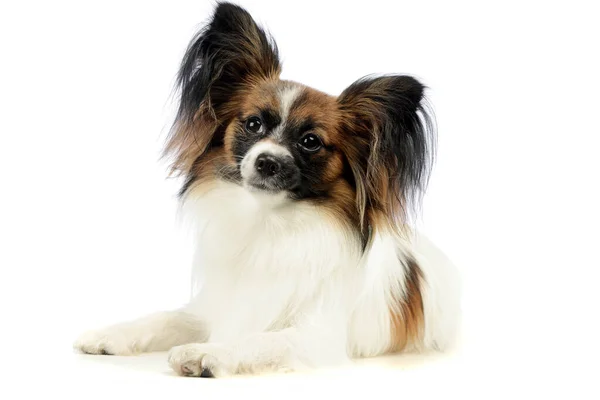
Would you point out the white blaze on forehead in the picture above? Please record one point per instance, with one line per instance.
(262, 147)
(287, 96)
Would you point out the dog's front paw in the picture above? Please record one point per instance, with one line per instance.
(108, 341)
(207, 360)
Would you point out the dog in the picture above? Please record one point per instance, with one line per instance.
(300, 207)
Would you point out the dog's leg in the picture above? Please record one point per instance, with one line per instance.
(156, 332)
(282, 351)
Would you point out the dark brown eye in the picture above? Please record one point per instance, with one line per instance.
(310, 143)
(254, 125)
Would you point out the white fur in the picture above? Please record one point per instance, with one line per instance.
(263, 147)
(156, 332)
(287, 95)
(283, 285)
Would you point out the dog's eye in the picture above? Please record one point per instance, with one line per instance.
(310, 143)
(254, 125)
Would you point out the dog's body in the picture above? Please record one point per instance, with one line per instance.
(303, 255)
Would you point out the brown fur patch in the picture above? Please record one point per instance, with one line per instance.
(210, 166)
(187, 141)
(262, 95)
(320, 108)
(407, 311)
(341, 202)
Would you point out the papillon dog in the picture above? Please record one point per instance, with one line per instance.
(301, 207)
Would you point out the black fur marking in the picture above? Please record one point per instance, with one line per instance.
(242, 143)
(304, 178)
(310, 166)
(298, 128)
(392, 109)
(221, 57)
(270, 118)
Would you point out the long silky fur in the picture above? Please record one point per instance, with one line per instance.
(315, 274)
(393, 128)
(226, 56)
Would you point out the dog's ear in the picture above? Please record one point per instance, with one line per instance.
(230, 54)
(390, 146)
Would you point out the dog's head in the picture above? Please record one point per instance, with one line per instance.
(366, 152)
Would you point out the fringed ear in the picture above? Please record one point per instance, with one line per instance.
(391, 146)
(227, 56)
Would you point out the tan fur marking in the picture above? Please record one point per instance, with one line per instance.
(322, 109)
(262, 95)
(334, 168)
(407, 313)
(207, 167)
(341, 202)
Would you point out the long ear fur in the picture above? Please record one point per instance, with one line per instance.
(229, 54)
(390, 127)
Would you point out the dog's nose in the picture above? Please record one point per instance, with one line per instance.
(267, 165)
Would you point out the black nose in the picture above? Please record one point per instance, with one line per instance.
(267, 165)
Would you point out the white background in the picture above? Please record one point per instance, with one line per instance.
(87, 218)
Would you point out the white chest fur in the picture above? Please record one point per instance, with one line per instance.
(262, 261)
